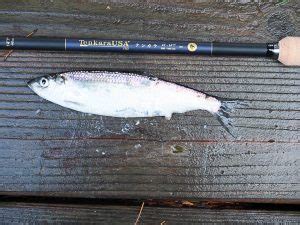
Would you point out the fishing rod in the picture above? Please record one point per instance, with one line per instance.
(287, 50)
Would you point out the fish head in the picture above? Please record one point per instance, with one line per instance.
(50, 87)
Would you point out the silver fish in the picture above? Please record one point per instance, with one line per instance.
(127, 95)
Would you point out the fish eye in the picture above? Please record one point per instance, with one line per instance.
(44, 82)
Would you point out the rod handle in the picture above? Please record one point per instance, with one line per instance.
(289, 51)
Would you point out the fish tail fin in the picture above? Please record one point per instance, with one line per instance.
(223, 115)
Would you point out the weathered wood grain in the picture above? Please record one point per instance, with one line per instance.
(150, 169)
(48, 150)
(26, 213)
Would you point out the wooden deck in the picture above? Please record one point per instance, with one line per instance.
(50, 151)
(99, 214)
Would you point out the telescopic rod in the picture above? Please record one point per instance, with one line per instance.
(288, 47)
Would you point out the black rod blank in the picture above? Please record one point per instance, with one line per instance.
(137, 46)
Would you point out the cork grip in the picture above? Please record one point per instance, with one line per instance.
(289, 51)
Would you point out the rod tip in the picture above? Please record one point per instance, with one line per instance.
(289, 51)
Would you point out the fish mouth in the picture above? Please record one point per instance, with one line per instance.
(31, 82)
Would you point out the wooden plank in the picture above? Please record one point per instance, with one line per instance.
(48, 150)
(149, 169)
(26, 213)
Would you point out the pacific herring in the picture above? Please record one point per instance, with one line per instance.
(120, 94)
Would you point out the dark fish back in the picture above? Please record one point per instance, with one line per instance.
(109, 77)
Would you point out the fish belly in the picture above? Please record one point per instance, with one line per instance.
(159, 98)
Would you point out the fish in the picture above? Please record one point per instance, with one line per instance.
(128, 95)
